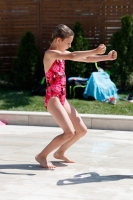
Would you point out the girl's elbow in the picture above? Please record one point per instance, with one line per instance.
(73, 57)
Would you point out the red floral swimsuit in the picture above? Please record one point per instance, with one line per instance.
(56, 82)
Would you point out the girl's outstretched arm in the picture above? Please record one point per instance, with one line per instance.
(75, 55)
(112, 55)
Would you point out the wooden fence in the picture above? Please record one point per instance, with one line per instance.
(99, 19)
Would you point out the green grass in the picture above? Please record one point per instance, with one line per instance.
(25, 101)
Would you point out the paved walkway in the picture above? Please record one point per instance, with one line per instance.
(103, 168)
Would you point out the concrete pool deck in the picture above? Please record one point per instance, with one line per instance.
(103, 168)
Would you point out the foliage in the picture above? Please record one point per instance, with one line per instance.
(26, 63)
(1, 63)
(5, 77)
(122, 42)
(79, 43)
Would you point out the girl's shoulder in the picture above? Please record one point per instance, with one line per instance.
(50, 53)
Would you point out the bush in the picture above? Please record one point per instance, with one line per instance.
(79, 43)
(122, 42)
(1, 63)
(26, 63)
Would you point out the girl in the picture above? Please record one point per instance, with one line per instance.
(56, 103)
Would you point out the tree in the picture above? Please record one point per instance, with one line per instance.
(26, 62)
(79, 43)
(0, 63)
(122, 42)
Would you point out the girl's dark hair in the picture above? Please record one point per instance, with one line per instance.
(61, 31)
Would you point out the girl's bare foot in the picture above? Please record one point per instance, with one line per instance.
(44, 163)
(61, 156)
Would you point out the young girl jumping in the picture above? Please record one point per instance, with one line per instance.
(56, 103)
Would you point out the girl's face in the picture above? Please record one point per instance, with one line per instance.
(65, 44)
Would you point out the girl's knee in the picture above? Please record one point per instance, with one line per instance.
(82, 132)
(85, 131)
(69, 134)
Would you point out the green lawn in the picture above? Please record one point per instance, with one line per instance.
(25, 101)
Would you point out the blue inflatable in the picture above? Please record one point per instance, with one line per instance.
(100, 87)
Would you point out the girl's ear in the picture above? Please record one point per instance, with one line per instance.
(58, 40)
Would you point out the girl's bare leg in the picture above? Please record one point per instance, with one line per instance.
(61, 117)
(80, 130)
